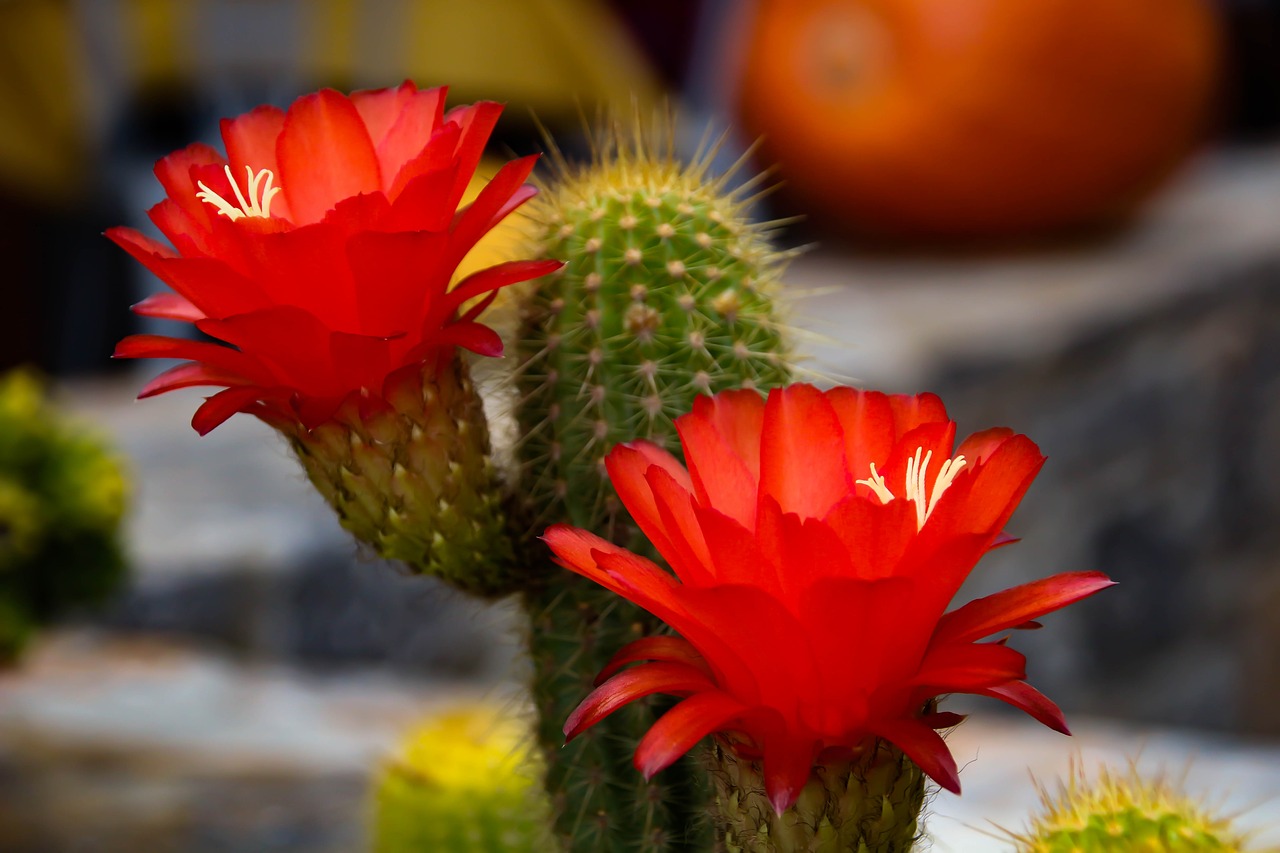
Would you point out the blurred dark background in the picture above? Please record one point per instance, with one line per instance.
(1137, 340)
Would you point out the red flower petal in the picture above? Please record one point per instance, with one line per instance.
(788, 764)
(680, 729)
(380, 108)
(499, 197)
(985, 616)
(420, 116)
(968, 668)
(867, 421)
(658, 648)
(168, 306)
(210, 285)
(325, 155)
(635, 683)
(1026, 698)
(721, 438)
(215, 410)
(925, 747)
(186, 376)
(797, 467)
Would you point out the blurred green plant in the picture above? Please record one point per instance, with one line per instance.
(1126, 813)
(63, 494)
(465, 782)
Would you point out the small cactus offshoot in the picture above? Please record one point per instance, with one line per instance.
(63, 494)
(1126, 813)
(464, 782)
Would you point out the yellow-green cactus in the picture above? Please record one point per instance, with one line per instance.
(1126, 813)
(465, 782)
(62, 496)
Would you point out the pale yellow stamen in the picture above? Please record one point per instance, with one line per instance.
(917, 483)
(258, 204)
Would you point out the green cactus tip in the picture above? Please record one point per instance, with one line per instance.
(1126, 813)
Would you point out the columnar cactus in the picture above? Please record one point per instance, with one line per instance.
(1126, 813)
(669, 291)
(62, 497)
(462, 783)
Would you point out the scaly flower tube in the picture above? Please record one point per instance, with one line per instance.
(321, 249)
(817, 540)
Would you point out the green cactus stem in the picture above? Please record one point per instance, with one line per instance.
(669, 291)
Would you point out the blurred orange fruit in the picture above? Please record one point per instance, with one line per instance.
(977, 118)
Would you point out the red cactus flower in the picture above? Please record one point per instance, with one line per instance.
(321, 250)
(816, 542)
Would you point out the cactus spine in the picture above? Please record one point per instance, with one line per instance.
(669, 292)
(1125, 813)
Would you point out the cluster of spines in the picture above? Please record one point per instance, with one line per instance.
(1125, 813)
(669, 291)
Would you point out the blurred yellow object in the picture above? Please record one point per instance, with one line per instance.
(42, 139)
(463, 782)
(553, 57)
(546, 55)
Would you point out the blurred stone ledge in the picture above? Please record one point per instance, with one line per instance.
(112, 743)
(116, 744)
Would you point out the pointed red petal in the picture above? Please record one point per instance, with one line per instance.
(476, 122)
(968, 668)
(616, 569)
(499, 197)
(663, 648)
(186, 376)
(627, 465)
(678, 730)
(925, 747)
(985, 616)
(168, 306)
(215, 410)
(632, 684)
(493, 278)
(788, 763)
(1026, 698)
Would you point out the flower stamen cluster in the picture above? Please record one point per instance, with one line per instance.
(255, 206)
(917, 483)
